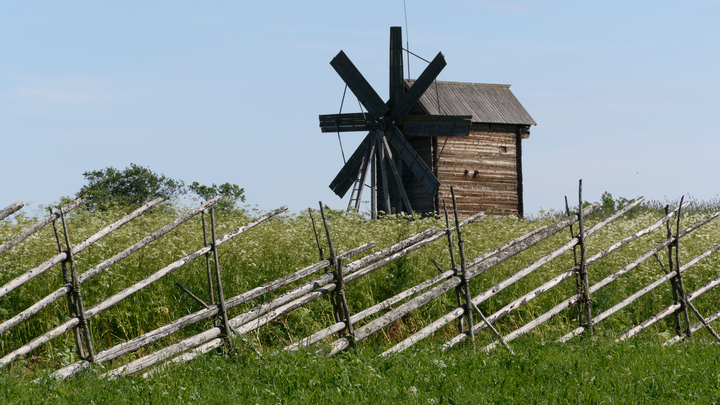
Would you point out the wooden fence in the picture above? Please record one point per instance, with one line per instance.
(352, 329)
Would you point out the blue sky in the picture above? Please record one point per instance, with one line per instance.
(624, 93)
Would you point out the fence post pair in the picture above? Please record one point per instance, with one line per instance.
(464, 287)
(582, 284)
(74, 296)
(341, 311)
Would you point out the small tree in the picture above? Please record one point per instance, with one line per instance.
(231, 193)
(130, 188)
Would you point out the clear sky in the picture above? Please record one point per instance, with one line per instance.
(624, 92)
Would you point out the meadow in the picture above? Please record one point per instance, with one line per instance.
(590, 369)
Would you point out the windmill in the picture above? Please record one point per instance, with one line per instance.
(385, 152)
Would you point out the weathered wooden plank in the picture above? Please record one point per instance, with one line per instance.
(49, 263)
(39, 225)
(348, 122)
(10, 209)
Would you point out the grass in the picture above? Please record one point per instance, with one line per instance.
(585, 370)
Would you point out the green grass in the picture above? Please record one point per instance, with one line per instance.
(589, 371)
(584, 371)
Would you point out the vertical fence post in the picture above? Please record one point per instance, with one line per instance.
(463, 270)
(340, 302)
(221, 295)
(583, 264)
(683, 296)
(77, 294)
(458, 289)
(207, 261)
(578, 279)
(70, 299)
(673, 281)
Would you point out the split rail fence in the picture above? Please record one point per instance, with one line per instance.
(341, 269)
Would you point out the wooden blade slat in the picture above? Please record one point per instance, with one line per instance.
(412, 159)
(359, 86)
(350, 171)
(412, 96)
(345, 122)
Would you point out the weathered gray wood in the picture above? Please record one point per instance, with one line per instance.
(437, 291)
(268, 311)
(607, 280)
(108, 302)
(221, 295)
(39, 225)
(57, 294)
(77, 293)
(584, 283)
(670, 309)
(702, 320)
(58, 258)
(463, 272)
(458, 312)
(318, 336)
(166, 330)
(10, 209)
(696, 327)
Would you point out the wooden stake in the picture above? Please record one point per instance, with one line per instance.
(70, 298)
(463, 271)
(460, 325)
(341, 307)
(680, 284)
(77, 294)
(583, 264)
(211, 293)
(218, 280)
(191, 295)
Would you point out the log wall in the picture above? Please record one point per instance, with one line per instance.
(483, 168)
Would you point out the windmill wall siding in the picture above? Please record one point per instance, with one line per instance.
(483, 169)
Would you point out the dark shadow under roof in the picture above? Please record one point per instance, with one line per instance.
(487, 103)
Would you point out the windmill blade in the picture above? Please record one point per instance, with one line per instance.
(418, 88)
(349, 172)
(412, 159)
(437, 125)
(345, 123)
(358, 85)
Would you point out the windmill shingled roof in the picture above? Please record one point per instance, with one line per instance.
(487, 103)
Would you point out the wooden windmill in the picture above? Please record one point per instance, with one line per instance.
(385, 153)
